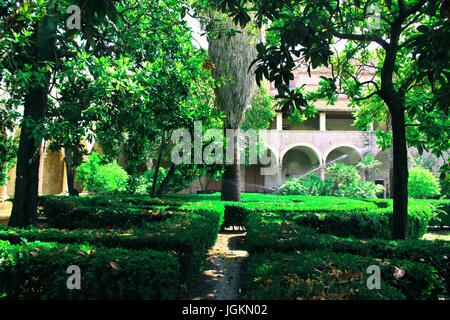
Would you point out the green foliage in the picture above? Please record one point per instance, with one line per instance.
(37, 270)
(312, 185)
(344, 217)
(97, 175)
(131, 222)
(426, 162)
(422, 183)
(309, 185)
(360, 189)
(322, 274)
(8, 147)
(261, 111)
(280, 234)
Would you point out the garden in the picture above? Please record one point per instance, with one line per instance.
(224, 150)
(300, 247)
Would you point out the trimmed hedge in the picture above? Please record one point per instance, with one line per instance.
(346, 217)
(108, 200)
(190, 233)
(269, 232)
(323, 274)
(37, 270)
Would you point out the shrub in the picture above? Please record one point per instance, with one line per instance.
(37, 270)
(97, 175)
(361, 189)
(309, 185)
(190, 230)
(235, 215)
(422, 183)
(442, 217)
(190, 236)
(272, 233)
(322, 274)
(346, 217)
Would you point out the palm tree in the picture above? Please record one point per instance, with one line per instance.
(231, 56)
(368, 165)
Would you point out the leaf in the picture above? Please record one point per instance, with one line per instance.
(34, 254)
(114, 265)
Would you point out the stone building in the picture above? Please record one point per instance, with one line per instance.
(312, 146)
(295, 150)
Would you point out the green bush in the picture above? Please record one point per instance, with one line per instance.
(345, 217)
(361, 189)
(97, 175)
(422, 183)
(270, 232)
(309, 185)
(322, 274)
(235, 215)
(190, 230)
(37, 270)
(442, 217)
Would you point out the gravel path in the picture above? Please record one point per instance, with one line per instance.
(220, 279)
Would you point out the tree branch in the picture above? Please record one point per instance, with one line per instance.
(360, 37)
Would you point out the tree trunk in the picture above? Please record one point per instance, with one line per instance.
(231, 186)
(70, 172)
(166, 180)
(389, 193)
(335, 185)
(156, 173)
(24, 209)
(399, 183)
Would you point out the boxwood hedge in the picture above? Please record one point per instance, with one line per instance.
(38, 270)
(323, 274)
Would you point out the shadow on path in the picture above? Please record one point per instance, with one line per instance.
(220, 279)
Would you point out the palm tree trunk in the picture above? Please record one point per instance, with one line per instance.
(231, 186)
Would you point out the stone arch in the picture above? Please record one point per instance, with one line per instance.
(300, 159)
(316, 151)
(345, 153)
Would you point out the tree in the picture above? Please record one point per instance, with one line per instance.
(230, 55)
(368, 165)
(306, 32)
(342, 174)
(33, 35)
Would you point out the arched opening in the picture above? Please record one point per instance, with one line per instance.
(299, 161)
(345, 154)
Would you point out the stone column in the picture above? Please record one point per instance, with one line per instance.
(41, 168)
(323, 121)
(279, 121)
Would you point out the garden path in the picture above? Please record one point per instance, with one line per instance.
(220, 279)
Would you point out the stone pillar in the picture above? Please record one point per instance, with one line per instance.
(41, 168)
(323, 121)
(279, 121)
(65, 184)
(323, 170)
